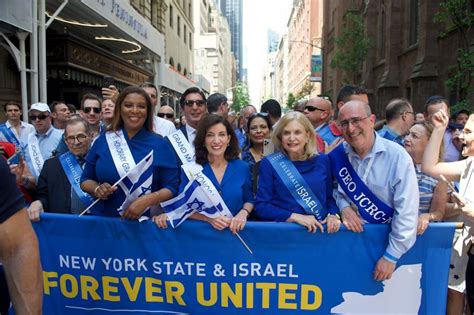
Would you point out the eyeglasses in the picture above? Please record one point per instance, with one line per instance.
(80, 138)
(39, 117)
(167, 115)
(313, 108)
(354, 121)
(192, 102)
(87, 110)
(261, 114)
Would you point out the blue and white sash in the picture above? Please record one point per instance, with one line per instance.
(120, 151)
(194, 172)
(37, 160)
(296, 184)
(73, 172)
(371, 208)
(9, 135)
(182, 147)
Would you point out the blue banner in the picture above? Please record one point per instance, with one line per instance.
(95, 265)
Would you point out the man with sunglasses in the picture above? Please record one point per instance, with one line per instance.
(57, 189)
(41, 143)
(375, 178)
(319, 112)
(166, 112)
(194, 107)
(91, 109)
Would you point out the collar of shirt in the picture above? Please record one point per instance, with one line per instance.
(320, 126)
(378, 146)
(46, 134)
(190, 130)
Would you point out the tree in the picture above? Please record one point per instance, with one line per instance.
(306, 90)
(241, 96)
(352, 47)
(291, 100)
(458, 17)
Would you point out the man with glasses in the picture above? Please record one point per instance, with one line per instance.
(57, 190)
(41, 143)
(161, 126)
(91, 109)
(194, 107)
(319, 112)
(400, 118)
(14, 130)
(166, 112)
(376, 180)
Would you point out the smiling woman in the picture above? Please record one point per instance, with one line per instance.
(128, 141)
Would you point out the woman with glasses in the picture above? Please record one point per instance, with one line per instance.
(217, 150)
(295, 183)
(462, 171)
(119, 151)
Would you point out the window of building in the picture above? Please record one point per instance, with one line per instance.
(189, 9)
(190, 41)
(179, 67)
(172, 62)
(414, 20)
(382, 35)
(185, 33)
(171, 16)
(178, 25)
(185, 71)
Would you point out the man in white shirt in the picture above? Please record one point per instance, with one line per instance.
(14, 127)
(194, 107)
(161, 126)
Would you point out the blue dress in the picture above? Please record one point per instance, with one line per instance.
(275, 203)
(235, 187)
(100, 168)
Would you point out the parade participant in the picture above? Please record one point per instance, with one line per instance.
(14, 130)
(41, 143)
(129, 140)
(319, 112)
(461, 171)
(433, 193)
(166, 112)
(90, 106)
(273, 108)
(376, 179)
(19, 251)
(217, 104)
(217, 151)
(58, 188)
(160, 125)
(259, 128)
(400, 117)
(194, 108)
(60, 114)
(311, 203)
(107, 112)
(241, 131)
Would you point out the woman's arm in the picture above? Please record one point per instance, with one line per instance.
(138, 206)
(437, 208)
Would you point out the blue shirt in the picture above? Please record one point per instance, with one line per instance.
(426, 187)
(390, 134)
(388, 172)
(47, 144)
(100, 167)
(235, 187)
(274, 201)
(325, 132)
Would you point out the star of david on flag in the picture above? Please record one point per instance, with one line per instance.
(137, 182)
(192, 199)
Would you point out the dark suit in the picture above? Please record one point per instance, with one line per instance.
(183, 130)
(54, 189)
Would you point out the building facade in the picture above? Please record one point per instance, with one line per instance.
(233, 11)
(408, 56)
(281, 71)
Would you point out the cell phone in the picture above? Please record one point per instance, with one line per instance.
(108, 81)
(268, 147)
(15, 158)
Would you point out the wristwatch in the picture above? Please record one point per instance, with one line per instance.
(26, 181)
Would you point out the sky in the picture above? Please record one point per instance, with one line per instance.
(259, 16)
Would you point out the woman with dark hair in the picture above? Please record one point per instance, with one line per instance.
(259, 127)
(295, 183)
(129, 139)
(217, 150)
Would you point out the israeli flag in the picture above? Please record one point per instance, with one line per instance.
(192, 199)
(137, 182)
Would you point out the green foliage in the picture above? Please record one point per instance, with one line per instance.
(457, 17)
(352, 47)
(241, 96)
(291, 100)
(306, 90)
(460, 105)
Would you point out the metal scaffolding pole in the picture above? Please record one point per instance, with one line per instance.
(34, 56)
(42, 51)
(24, 95)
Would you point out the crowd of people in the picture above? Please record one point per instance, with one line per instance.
(321, 165)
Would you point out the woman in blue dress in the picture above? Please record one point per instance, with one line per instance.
(217, 151)
(294, 137)
(115, 153)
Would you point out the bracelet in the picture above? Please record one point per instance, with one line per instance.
(95, 190)
(246, 210)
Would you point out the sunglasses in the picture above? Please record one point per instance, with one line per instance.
(167, 115)
(261, 114)
(39, 117)
(87, 110)
(192, 102)
(312, 108)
